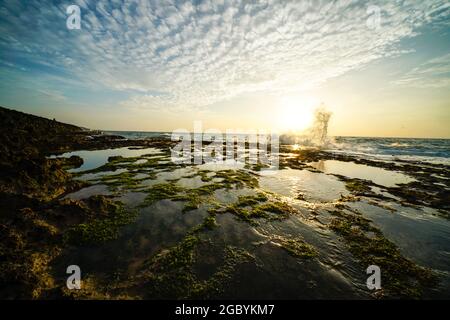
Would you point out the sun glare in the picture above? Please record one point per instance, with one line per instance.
(296, 113)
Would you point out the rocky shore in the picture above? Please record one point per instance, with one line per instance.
(33, 214)
(40, 227)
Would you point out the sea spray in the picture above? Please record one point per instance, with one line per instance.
(319, 131)
(316, 135)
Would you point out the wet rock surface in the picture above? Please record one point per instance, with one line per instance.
(143, 227)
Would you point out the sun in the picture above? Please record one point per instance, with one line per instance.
(296, 113)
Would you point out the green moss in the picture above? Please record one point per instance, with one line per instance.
(29, 247)
(171, 191)
(297, 247)
(192, 204)
(249, 208)
(241, 213)
(401, 276)
(280, 209)
(204, 175)
(209, 223)
(122, 180)
(180, 256)
(101, 229)
(206, 190)
(129, 163)
(233, 257)
(229, 179)
(195, 197)
(235, 179)
(169, 274)
(245, 201)
(162, 191)
(357, 186)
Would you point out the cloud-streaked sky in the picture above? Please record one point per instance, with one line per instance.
(159, 65)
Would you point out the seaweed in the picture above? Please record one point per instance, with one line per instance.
(401, 277)
(169, 274)
(357, 186)
(296, 247)
(100, 229)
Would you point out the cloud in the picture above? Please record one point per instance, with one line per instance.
(435, 73)
(52, 95)
(173, 54)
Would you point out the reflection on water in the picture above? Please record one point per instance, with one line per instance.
(191, 183)
(175, 174)
(312, 186)
(132, 199)
(98, 175)
(352, 170)
(96, 158)
(225, 165)
(227, 196)
(159, 226)
(98, 189)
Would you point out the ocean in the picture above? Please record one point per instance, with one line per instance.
(410, 149)
(435, 151)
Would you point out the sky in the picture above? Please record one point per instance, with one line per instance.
(381, 67)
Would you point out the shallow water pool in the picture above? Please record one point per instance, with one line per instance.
(95, 158)
(360, 171)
